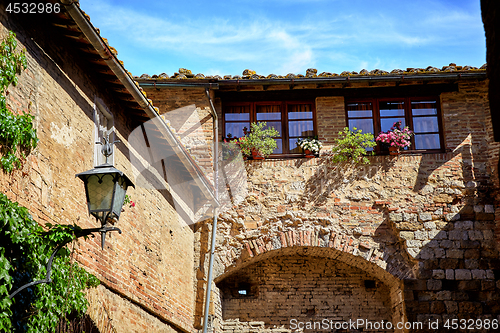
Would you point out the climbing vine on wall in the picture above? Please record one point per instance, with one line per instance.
(25, 247)
(17, 132)
(25, 251)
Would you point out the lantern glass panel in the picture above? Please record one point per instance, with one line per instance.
(121, 190)
(100, 192)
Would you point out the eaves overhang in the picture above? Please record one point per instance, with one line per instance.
(75, 25)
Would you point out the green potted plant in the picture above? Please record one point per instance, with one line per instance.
(311, 146)
(258, 142)
(353, 145)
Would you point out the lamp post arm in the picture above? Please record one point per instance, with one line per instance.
(80, 233)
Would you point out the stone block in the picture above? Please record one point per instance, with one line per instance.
(448, 263)
(489, 209)
(451, 307)
(431, 243)
(430, 225)
(413, 243)
(450, 274)
(488, 234)
(475, 235)
(421, 235)
(425, 216)
(406, 235)
(454, 254)
(478, 274)
(465, 225)
(434, 284)
(457, 235)
(396, 217)
(443, 295)
(471, 263)
(426, 254)
(408, 217)
(413, 252)
(463, 274)
(438, 234)
(452, 217)
(472, 254)
(438, 274)
(439, 253)
(438, 307)
(447, 244)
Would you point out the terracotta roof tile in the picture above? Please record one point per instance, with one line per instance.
(248, 74)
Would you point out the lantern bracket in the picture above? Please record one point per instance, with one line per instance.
(78, 234)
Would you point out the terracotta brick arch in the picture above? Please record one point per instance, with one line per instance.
(388, 261)
(308, 247)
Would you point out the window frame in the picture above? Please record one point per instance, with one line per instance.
(408, 116)
(284, 105)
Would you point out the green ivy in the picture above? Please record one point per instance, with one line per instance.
(25, 247)
(17, 132)
(352, 145)
(25, 251)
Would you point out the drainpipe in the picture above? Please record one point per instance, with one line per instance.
(214, 227)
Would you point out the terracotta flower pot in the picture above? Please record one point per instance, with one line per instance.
(309, 154)
(393, 150)
(256, 155)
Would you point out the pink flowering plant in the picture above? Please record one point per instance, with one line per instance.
(396, 137)
(128, 202)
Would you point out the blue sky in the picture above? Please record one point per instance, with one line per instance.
(289, 36)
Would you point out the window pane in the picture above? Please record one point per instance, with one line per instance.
(268, 116)
(424, 108)
(279, 150)
(365, 125)
(427, 141)
(392, 109)
(357, 110)
(238, 113)
(425, 124)
(359, 114)
(268, 112)
(300, 111)
(302, 128)
(292, 143)
(387, 123)
(236, 129)
(275, 124)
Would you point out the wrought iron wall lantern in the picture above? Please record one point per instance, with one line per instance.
(105, 189)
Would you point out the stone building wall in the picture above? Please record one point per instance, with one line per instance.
(424, 225)
(146, 272)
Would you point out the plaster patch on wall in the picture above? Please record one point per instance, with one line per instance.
(63, 135)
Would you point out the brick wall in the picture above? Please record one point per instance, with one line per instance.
(330, 116)
(305, 289)
(188, 112)
(146, 272)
